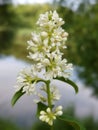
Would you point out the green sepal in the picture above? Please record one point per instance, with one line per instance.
(16, 96)
(71, 121)
(41, 107)
(70, 82)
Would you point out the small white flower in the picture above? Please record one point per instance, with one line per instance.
(58, 111)
(45, 62)
(29, 88)
(50, 20)
(45, 42)
(57, 21)
(36, 56)
(44, 34)
(36, 38)
(47, 116)
(43, 19)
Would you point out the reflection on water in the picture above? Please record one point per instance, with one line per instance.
(24, 111)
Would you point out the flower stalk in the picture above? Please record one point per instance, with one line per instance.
(45, 52)
(51, 128)
(49, 95)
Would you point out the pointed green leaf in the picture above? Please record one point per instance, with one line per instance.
(74, 123)
(40, 107)
(16, 96)
(70, 82)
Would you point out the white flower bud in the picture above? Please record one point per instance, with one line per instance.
(59, 113)
(48, 110)
(44, 34)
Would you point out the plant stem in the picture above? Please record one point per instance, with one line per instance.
(49, 95)
(51, 128)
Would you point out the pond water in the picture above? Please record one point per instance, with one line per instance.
(23, 113)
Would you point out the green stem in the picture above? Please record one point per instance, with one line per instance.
(49, 98)
(51, 128)
(49, 95)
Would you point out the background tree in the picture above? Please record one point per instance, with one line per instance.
(7, 25)
(82, 26)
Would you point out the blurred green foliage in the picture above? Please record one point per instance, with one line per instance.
(17, 22)
(16, 25)
(6, 25)
(83, 42)
(7, 125)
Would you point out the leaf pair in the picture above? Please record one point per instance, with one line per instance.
(18, 94)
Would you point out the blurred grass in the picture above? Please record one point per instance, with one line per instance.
(7, 125)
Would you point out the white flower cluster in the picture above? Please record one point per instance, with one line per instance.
(45, 52)
(45, 47)
(26, 80)
(48, 116)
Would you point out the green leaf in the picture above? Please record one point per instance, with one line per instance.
(70, 82)
(16, 96)
(73, 122)
(40, 107)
